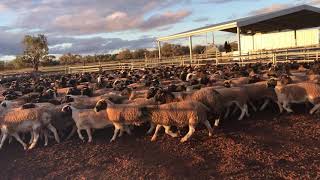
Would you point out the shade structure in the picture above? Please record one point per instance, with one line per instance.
(294, 18)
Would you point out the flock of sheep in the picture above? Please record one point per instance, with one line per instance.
(64, 104)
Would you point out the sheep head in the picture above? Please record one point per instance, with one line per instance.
(101, 105)
(227, 83)
(272, 83)
(67, 109)
(285, 79)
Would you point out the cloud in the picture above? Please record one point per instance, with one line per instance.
(3, 7)
(97, 45)
(202, 19)
(166, 18)
(96, 16)
(273, 7)
(10, 44)
(222, 1)
(62, 20)
(314, 2)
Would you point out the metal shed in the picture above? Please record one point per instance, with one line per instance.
(294, 19)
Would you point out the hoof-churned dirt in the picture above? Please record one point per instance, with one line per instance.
(264, 146)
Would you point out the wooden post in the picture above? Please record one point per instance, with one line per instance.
(159, 48)
(295, 38)
(190, 48)
(239, 43)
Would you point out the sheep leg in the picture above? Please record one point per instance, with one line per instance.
(242, 114)
(246, 109)
(45, 133)
(54, 131)
(189, 134)
(216, 122)
(89, 135)
(152, 126)
(79, 134)
(117, 127)
(15, 135)
(35, 140)
(121, 133)
(31, 138)
(4, 137)
(169, 132)
(286, 107)
(264, 105)
(280, 106)
(127, 129)
(235, 110)
(73, 131)
(208, 126)
(154, 137)
(227, 113)
(253, 106)
(315, 108)
(10, 140)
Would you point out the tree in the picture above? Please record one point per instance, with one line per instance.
(139, 53)
(35, 49)
(125, 54)
(49, 61)
(199, 49)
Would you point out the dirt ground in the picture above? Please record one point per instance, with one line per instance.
(264, 146)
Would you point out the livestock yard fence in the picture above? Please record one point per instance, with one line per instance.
(299, 54)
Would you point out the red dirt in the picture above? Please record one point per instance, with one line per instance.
(265, 146)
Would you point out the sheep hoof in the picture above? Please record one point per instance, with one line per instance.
(210, 134)
(183, 140)
(153, 139)
(174, 135)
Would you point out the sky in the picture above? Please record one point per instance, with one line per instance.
(107, 26)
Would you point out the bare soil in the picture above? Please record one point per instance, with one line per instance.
(264, 146)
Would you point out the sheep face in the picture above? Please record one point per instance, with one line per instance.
(66, 109)
(68, 99)
(101, 105)
(152, 92)
(227, 83)
(272, 83)
(285, 79)
(3, 104)
(126, 92)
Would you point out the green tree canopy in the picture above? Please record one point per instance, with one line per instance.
(35, 49)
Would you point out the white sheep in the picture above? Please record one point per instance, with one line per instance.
(298, 93)
(87, 119)
(18, 120)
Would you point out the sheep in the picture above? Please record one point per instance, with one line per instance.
(132, 94)
(298, 93)
(87, 119)
(121, 115)
(260, 91)
(235, 95)
(85, 102)
(184, 113)
(17, 120)
(208, 96)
